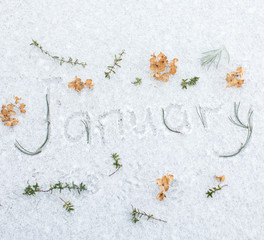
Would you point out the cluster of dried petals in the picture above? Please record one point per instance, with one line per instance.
(78, 85)
(235, 78)
(159, 63)
(8, 111)
(220, 179)
(164, 184)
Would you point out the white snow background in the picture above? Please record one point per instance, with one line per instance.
(127, 119)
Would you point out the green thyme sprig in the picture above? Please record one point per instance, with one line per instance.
(32, 190)
(163, 117)
(239, 123)
(137, 82)
(86, 129)
(201, 115)
(67, 205)
(39, 150)
(191, 82)
(213, 190)
(116, 163)
(111, 69)
(60, 59)
(136, 214)
(212, 56)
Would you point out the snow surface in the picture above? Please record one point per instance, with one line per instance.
(128, 120)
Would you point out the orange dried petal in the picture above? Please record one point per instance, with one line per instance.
(160, 196)
(89, 83)
(17, 99)
(22, 106)
(220, 179)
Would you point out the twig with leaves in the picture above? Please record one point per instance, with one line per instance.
(191, 82)
(136, 214)
(213, 190)
(32, 190)
(239, 123)
(116, 163)
(163, 117)
(39, 150)
(212, 56)
(200, 114)
(137, 82)
(67, 205)
(60, 59)
(111, 69)
(86, 129)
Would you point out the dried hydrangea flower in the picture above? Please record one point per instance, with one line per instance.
(78, 85)
(164, 184)
(8, 110)
(158, 64)
(89, 83)
(235, 78)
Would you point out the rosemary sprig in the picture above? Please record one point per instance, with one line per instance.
(212, 56)
(61, 60)
(32, 190)
(116, 163)
(239, 123)
(176, 131)
(25, 151)
(86, 128)
(67, 205)
(200, 114)
(213, 190)
(137, 82)
(115, 64)
(191, 82)
(136, 214)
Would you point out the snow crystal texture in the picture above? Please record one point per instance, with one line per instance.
(127, 119)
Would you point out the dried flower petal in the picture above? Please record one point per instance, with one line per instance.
(233, 78)
(164, 77)
(89, 83)
(220, 179)
(11, 122)
(164, 182)
(160, 196)
(77, 84)
(22, 106)
(173, 67)
(160, 65)
(17, 100)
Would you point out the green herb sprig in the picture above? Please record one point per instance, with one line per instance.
(116, 163)
(239, 123)
(163, 117)
(67, 205)
(136, 214)
(137, 82)
(212, 56)
(61, 60)
(39, 150)
(191, 82)
(32, 190)
(111, 69)
(213, 190)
